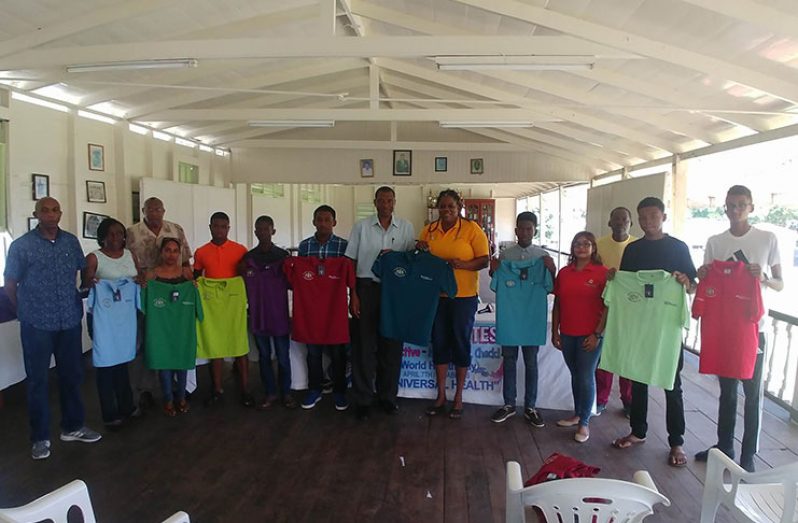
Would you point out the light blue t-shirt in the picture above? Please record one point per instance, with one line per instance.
(113, 304)
(521, 288)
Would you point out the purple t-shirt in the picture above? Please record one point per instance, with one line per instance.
(267, 295)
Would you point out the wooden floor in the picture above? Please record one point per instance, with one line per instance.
(233, 464)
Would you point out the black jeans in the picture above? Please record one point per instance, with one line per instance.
(674, 408)
(752, 411)
(113, 388)
(376, 361)
(337, 369)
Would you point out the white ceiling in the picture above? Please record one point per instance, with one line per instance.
(670, 76)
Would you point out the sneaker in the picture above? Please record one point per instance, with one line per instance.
(326, 386)
(600, 408)
(83, 434)
(313, 397)
(289, 402)
(503, 414)
(533, 417)
(341, 402)
(40, 449)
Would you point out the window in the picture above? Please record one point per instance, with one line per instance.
(272, 190)
(187, 173)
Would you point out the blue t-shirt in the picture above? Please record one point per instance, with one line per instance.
(521, 288)
(113, 304)
(412, 283)
(46, 274)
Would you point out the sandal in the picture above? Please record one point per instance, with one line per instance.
(434, 410)
(169, 409)
(182, 406)
(456, 413)
(627, 441)
(677, 458)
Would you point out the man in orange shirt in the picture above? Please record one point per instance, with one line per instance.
(219, 258)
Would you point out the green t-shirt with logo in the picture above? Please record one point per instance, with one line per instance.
(171, 312)
(646, 312)
(223, 333)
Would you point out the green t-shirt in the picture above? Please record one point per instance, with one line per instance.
(223, 333)
(171, 312)
(647, 311)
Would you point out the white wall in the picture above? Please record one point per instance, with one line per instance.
(46, 141)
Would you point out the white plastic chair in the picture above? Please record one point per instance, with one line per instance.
(53, 506)
(178, 517)
(768, 496)
(592, 500)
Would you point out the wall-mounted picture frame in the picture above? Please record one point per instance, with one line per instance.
(33, 222)
(40, 186)
(477, 166)
(367, 168)
(95, 192)
(96, 157)
(402, 162)
(91, 221)
(441, 164)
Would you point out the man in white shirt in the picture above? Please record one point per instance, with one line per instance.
(759, 250)
(376, 360)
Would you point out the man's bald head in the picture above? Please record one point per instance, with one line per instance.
(153, 211)
(48, 212)
(47, 201)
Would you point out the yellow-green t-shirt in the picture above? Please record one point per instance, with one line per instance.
(464, 241)
(611, 251)
(223, 333)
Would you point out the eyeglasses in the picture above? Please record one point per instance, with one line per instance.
(583, 244)
(736, 206)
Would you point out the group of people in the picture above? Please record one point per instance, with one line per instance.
(248, 290)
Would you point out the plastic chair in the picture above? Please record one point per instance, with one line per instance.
(178, 517)
(591, 500)
(53, 506)
(768, 496)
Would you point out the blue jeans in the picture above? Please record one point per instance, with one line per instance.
(113, 388)
(510, 357)
(37, 348)
(582, 365)
(281, 346)
(168, 378)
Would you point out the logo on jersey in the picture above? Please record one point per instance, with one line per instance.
(510, 283)
(590, 283)
(308, 275)
(400, 272)
(427, 278)
(710, 292)
(634, 297)
(160, 303)
(107, 303)
(250, 273)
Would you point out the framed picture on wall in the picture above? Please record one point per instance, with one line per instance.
(402, 162)
(41, 186)
(96, 157)
(477, 166)
(95, 192)
(91, 221)
(33, 222)
(367, 168)
(441, 164)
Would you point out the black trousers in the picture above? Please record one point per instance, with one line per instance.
(674, 408)
(752, 411)
(376, 361)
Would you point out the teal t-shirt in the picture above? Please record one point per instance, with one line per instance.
(521, 288)
(647, 311)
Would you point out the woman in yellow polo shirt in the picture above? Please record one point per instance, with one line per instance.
(463, 244)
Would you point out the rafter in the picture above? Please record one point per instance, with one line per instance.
(769, 18)
(784, 88)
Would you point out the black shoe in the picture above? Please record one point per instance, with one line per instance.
(216, 398)
(247, 400)
(748, 465)
(389, 407)
(362, 413)
(703, 455)
(146, 401)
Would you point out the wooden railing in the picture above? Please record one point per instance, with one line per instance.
(781, 363)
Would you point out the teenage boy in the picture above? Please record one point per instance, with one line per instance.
(657, 250)
(525, 226)
(267, 296)
(219, 259)
(610, 248)
(40, 275)
(759, 250)
(376, 361)
(324, 244)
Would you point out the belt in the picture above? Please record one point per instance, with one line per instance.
(367, 281)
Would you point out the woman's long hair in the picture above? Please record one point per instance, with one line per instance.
(595, 259)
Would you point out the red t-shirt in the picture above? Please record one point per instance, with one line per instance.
(320, 309)
(729, 303)
(219, 261)
(579, 293)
